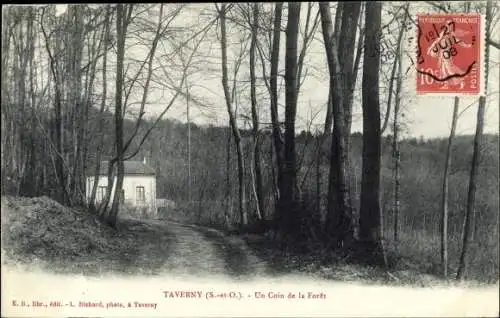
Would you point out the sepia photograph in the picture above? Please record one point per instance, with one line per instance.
(250, 159)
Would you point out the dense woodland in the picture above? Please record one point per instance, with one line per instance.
(76, 96)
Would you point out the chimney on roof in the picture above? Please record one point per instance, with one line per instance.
(144, 160)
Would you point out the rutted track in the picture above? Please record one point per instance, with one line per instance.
(42, 233)
(196, 250)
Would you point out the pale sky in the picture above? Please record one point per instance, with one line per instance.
(423, 115)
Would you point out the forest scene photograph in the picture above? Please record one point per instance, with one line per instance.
(329, 139)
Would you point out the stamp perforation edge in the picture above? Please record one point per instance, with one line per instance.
(481, 54)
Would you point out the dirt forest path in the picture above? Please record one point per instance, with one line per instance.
(192, 250)
(41, 232)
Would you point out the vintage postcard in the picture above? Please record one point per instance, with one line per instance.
(286, 159)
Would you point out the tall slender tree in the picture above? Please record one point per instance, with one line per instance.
(471, 194)
(122, 16)
(232, 118)
(338, 222)
(445, 190)
(58, 114)
(277, 137)
(396, 155)
(255, 114)
(287, 210)
(100, 143)
(370, 213)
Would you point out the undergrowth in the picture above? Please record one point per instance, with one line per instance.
(41, 232)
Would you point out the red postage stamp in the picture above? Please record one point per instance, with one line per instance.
(449, 53)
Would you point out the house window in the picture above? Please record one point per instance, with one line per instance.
(101, 193)
(140, 195)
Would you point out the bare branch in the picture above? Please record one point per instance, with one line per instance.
(148, 79)
(493, 43)
(178, 92)
(437, 6)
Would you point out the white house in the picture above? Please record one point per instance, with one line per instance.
(139, 187)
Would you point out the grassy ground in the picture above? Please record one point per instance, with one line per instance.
(414, 259)
(43, 233)
(403, 271)
(423, 250)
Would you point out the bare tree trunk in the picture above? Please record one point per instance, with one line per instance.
(78, 104)
(471, 195)
(5, 109)
(338, 224)
(347, 43)
(349, 68)
(255, 181)
(287, 218)
(329, 105)
(370, 212)
(395, 67)
(395, 146)
(255, 115)
(31, 169)
(103, 209)
(353, 187)
(241, 181)
(59, 143)
(319, 143)
(100, 143)
(58, 125)
(121, 31)
(21, 92)
(232, 119)
(444, 198)
(188, 143)
(278, 143)
(329, 115)
(229, 192)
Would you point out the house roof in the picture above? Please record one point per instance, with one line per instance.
(130, 167)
